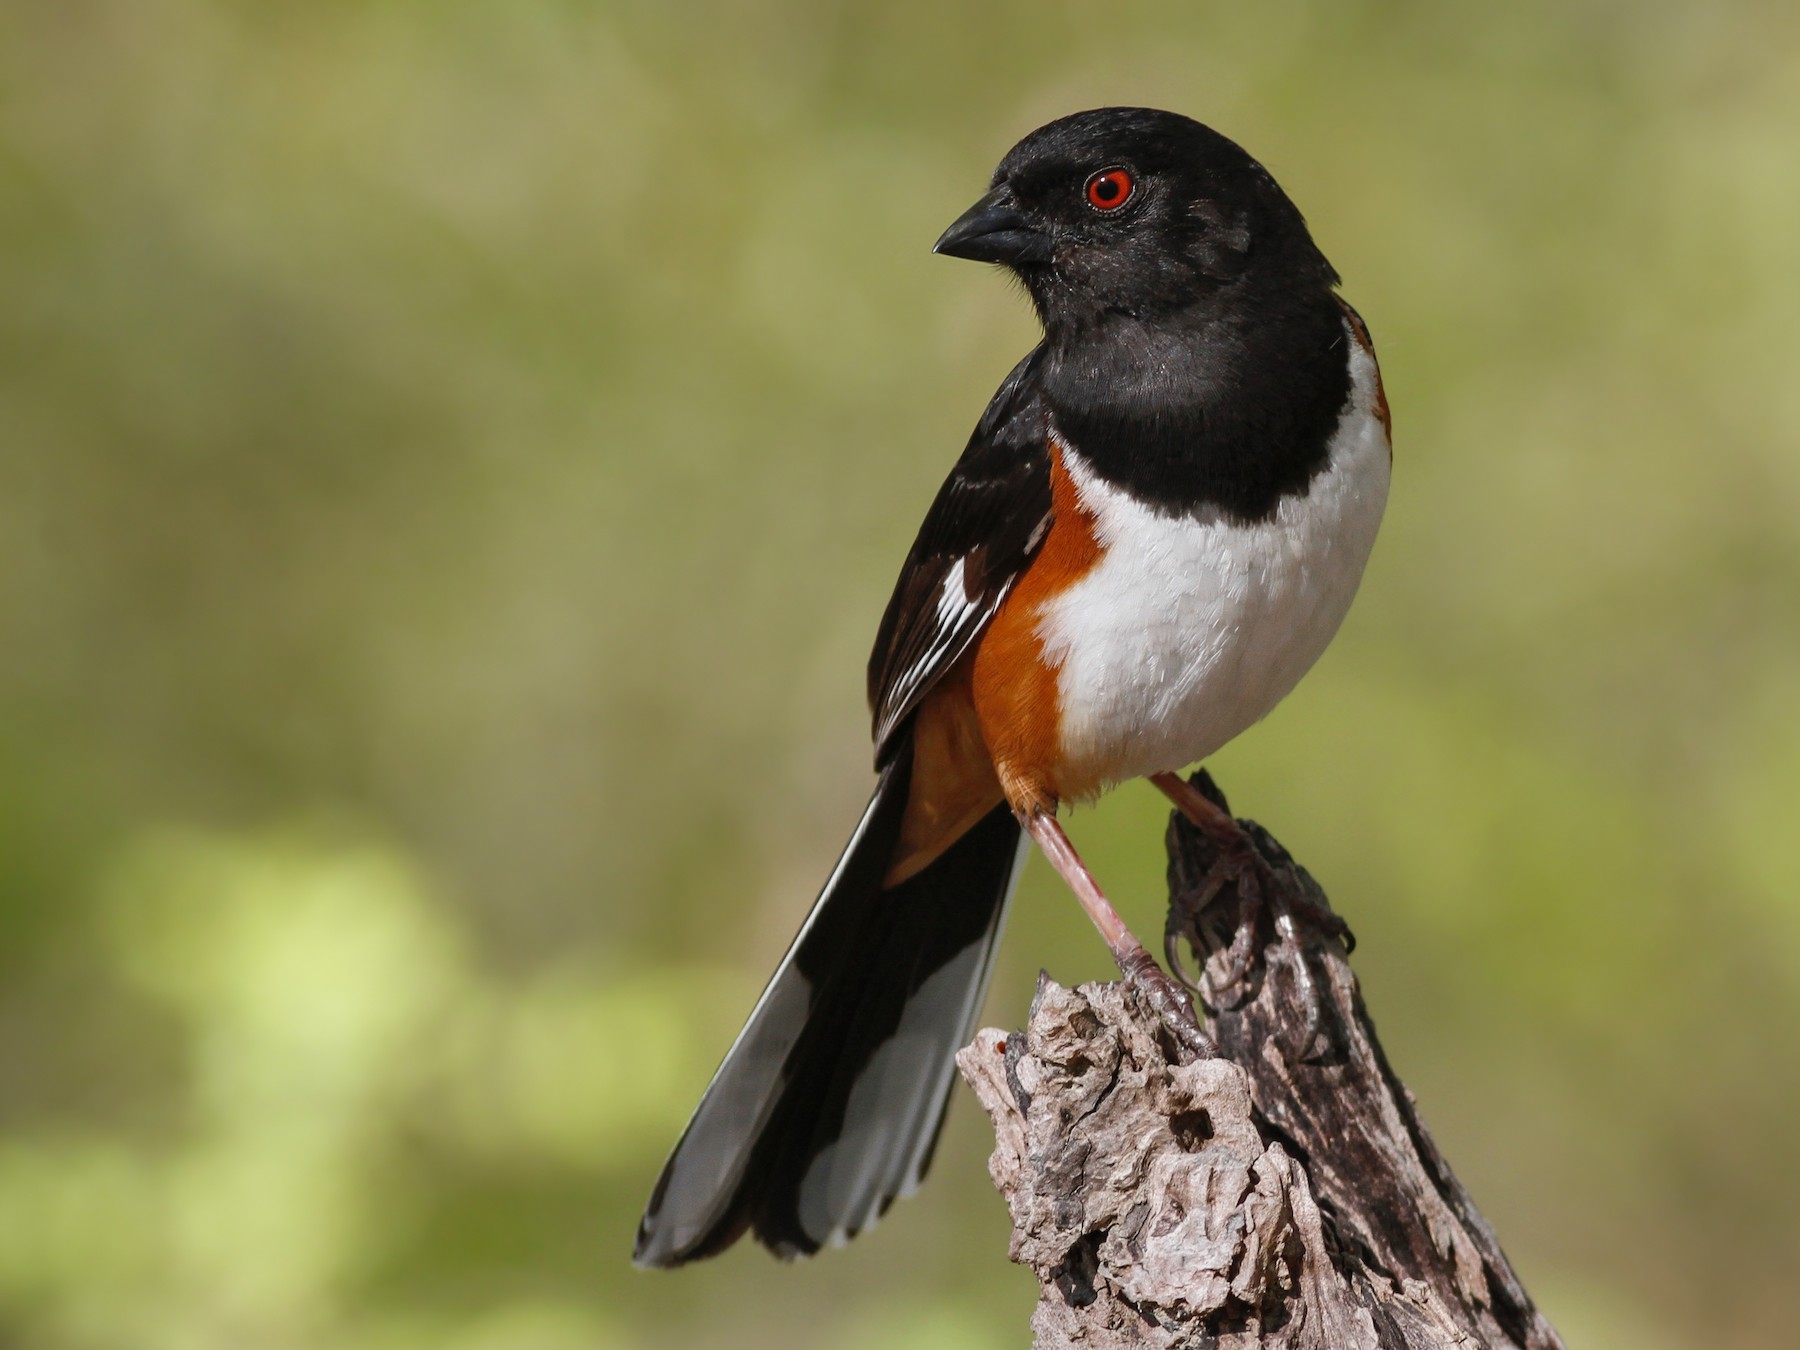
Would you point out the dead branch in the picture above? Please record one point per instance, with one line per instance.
(1285, 1194)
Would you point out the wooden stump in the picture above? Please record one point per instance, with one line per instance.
(1285, 1194)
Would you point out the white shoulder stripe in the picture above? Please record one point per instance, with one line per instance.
(959, 621)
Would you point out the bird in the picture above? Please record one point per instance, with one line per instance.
(1154, 531)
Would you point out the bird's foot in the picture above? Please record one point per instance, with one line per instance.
(1163, 995)
(1237, 865)
(1168, 1000)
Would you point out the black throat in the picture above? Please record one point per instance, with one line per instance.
(1226, 411)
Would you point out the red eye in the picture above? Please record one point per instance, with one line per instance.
(1109, 189)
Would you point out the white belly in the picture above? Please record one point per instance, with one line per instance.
(1191, 629)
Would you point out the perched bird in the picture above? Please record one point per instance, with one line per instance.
(1155, 530)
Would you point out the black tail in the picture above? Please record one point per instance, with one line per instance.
(829, 1103)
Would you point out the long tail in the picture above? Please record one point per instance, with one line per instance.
(829, 1103)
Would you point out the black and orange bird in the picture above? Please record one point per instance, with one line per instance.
(1156, 528)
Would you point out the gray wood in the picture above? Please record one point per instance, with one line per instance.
(1284, 1194)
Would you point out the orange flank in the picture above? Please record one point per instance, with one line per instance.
(991, 729)
(1014, 685)
(953, 782)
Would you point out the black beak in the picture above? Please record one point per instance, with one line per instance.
(993, 230)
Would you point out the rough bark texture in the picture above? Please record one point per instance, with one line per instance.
(1285, 1194)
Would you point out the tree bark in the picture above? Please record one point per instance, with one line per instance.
(1283, 1194)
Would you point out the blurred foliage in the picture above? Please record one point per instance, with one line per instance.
(452, 458)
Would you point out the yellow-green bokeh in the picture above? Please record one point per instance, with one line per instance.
(452, 459)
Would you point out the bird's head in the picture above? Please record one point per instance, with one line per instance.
(1136, 212)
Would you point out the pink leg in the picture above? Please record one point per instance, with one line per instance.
(1170, 1001)
(1212, 820)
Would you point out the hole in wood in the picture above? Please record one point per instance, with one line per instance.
(1191, 1129)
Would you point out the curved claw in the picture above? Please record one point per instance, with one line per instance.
(1291, 953)
(1243, 943)
(1172, 954)
(1184, 921)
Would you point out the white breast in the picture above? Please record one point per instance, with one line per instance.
(1190, 630)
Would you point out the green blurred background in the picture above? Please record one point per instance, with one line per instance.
(452, 460)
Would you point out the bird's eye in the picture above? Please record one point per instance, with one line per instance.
(1109, 189)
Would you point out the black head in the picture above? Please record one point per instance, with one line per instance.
(1132, 211)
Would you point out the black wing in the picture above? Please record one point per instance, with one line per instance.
(989, 518)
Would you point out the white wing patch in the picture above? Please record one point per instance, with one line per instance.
(959, 619)
(953, 598)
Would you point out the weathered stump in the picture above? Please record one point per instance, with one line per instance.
(1285, 1194)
